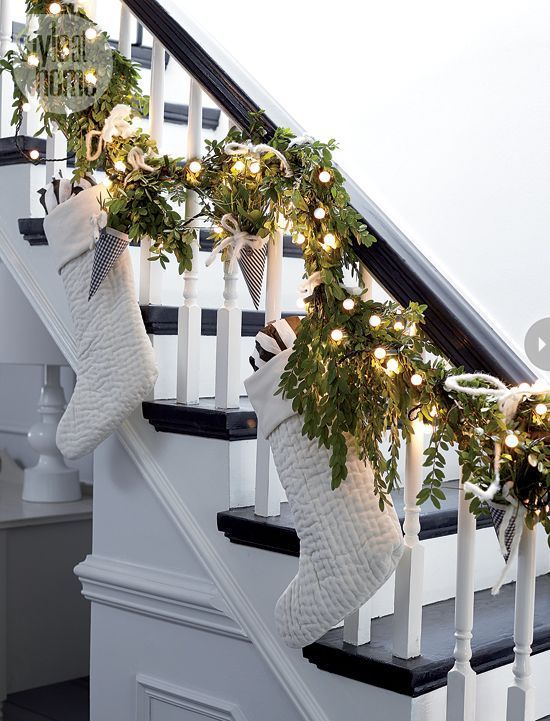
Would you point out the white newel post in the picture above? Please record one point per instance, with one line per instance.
(150, 273)
(228, 343)
(409, 575)
(461, 679)
(189, 314)
(521, 694)
(267, 492)
(50, 481)
(6, 84)
(124, 32)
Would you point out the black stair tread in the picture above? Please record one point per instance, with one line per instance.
(492, 644)
(163, 320)
(277, 533)
(32, 229)
(56, 702)
(204, 419)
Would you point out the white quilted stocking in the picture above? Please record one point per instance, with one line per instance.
(116, 365)
(348, 547)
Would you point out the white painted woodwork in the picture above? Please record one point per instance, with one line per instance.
(150, 276)
(461, 679)
(56, 154)
(357, 625)
(368, 281)
(410, 571)
(267, 490)
(228, 343)
(50, 480)
(6, 83)
(125, 31)
(521, 693)
(189, 314)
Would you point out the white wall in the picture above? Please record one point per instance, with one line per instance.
(442, 116)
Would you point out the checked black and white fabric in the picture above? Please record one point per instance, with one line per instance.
(507, 533)
(252, 265)
(109, 247)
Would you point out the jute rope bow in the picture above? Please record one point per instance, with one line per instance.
(136, 158)
(116, 125)
(236, 241)
(257, 151)
(508, 400)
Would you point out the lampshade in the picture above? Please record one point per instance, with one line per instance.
(23, 337)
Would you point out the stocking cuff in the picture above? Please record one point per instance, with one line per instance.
(261, 386)
(69, 228)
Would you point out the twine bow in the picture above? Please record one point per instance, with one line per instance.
(116, 125)
(508, 400)
(136, 158)
(98, 223)
(236, 241)
(247, 148)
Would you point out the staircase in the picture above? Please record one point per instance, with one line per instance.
(193, 538)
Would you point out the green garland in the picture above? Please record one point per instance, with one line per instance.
(360, 370)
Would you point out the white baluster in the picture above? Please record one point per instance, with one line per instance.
(189, 314)
(6, 84)
(521, 694)
(410, 571)
(56, 151)
(367, 280)
(357, 625)
(150, 273)
(267, 491)
(124, 32)
(228, 344)
(461, 679)
(50, 481)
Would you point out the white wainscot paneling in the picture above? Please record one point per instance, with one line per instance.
(159, 701)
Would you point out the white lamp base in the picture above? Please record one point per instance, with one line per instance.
(50, 481)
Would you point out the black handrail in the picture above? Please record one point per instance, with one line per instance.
(451, 322)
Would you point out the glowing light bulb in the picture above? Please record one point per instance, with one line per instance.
(195, 167)
(90, 77)
(380, 353)
(433, 411)
(348, 304)
(337, 335)
(541, 409)
(217, 229)
(392, 365)
(254, 167)
(91, 34)
(300, 303)
(330, 241)
(325, 176)
(239, 166)
(54, 8)
(319, 213)
(524, 387)
(107, 182)
(33, 60)
(120, 166)
(416, 379)
(65, 51)
(374, 321)
(26, 107)
(34, 154)
(511, 440)
(398, 325)
(300, 239)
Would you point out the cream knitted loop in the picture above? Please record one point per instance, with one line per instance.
(258, 150)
